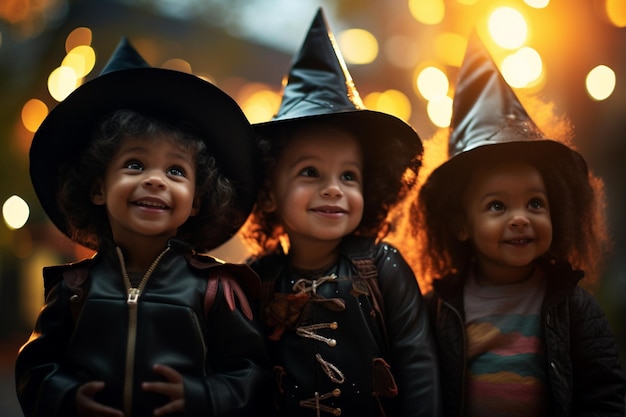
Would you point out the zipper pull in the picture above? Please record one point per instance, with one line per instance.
(133, 295)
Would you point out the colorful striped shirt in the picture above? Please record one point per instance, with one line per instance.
(506, 373)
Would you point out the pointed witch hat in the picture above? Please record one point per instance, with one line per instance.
(128, 82)
(318, 87)
(489, 122)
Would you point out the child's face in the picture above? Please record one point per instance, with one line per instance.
(148, 189)
(317, 186)
(507, 221)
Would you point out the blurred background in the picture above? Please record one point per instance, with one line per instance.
(404, 56)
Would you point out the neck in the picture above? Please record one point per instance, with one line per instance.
(313, 255)
(140, 253)
(503, 276)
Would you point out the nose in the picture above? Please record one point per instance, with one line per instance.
(154, 179)
(331, 189)
(519, 220)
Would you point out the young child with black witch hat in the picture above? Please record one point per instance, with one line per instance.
(509, 223)
(345, 319)
(149, 167)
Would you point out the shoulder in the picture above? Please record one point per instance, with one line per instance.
(268, 266)
(566, 296)
(74, 273)
(394, 272)
(388, 255)
(584, 306)
(360, 247)
(243, 274)
(561, 275)
(54, 270)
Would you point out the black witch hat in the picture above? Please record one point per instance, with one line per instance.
(318, 86)
(129, 82)
(489, 123)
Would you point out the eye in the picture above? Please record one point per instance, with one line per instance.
(176, 172)
(135, 165)
(536, 203)
(308, 172)
(349, 176)
(496, 206)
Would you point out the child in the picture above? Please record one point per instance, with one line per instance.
(149, 167)
(510, 221)
(342, 340)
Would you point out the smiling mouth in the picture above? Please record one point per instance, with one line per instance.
(329, 210)
(151, 204)
(519, 241)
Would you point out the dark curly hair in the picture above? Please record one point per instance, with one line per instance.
(88, 223)
(575, 198)
(388, 176)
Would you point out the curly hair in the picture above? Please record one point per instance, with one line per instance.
(575, 196)
(386, 181)
(88, 223)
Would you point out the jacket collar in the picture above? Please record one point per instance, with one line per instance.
(561, 277)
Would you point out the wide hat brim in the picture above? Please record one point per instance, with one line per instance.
(383, 138)
(167, 94)
(543, 153)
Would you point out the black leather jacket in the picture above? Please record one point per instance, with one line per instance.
(85, 332)
(335, 358)
(585, 376)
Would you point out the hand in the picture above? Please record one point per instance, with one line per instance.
(174, 389)
(86, 406)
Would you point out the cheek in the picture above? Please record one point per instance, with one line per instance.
(284, 201)
(484, 230)
(292, 195)
(357, 203)
(546, 228)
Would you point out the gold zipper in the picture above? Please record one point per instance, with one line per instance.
(131, 301)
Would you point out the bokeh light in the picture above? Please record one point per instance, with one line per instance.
(33, 113)
(440, 111)
(616, 12)
(391, 101)
(507, 27)
(522, 68)
(258, 102)
(358, 46)
(261, 106)
(428, 12)
(15, 212)
(538, 4)
(81, 59)
(432, 82)
(81, 36)
(600, 82)
(177, 64)
(61, 82)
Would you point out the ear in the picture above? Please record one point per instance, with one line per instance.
(97, 194)
(266, 200)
